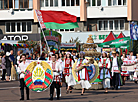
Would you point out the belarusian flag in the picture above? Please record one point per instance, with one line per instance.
(56, 19)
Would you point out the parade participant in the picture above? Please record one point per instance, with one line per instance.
(57, 56)
(104, 65)
(136, 72)
(115, 69)
(68, 62)
(124, 73)
(60, 61)
(131, 57)
(120, 79)
(57, 69)
(61, 56)
(73, 55)
(83, 76)
(117, 54)
(22, 66)
(108, 55)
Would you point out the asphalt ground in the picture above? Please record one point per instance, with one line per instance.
(10, 92)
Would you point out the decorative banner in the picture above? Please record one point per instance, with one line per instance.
(93, 71)
(53, 38)
(38, 76)
(133, 31)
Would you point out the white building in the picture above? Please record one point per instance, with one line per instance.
(102, 16)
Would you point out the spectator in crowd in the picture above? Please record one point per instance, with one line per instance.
(3, 64)
(33, 57)
(42, 57)
(27, 56)
(17, 62)
(38, 56)
(8, 65)
(11, 55)
(46, 57)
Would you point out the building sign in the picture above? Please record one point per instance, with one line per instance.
(17, 37)
(68, 45)
(101, 37)
(20, 37)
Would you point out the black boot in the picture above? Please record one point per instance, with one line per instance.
(27, 93)
(58, 94)
(51, 97)
(22, 95)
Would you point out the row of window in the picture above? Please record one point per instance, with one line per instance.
(107, 2)
(6, 4)
(54, 3)
(25, 27)
(12, 27)
(111, 25)
(63, 30)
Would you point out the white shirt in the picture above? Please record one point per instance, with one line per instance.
(22, 67)
(115, 65)
(58, 68)
(18, 58)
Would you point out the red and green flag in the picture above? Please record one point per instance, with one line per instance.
(56, 19)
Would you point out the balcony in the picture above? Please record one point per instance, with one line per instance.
(16, 14)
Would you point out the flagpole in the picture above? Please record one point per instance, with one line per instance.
(45, 40)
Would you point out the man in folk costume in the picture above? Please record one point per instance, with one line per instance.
(21, 70)
(104, 65)
(116, 70)
(68, 63)
(83, 75)
(57, 70)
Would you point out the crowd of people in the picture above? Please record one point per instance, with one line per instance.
(61, 63)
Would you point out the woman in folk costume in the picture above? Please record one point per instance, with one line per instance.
(105, 75)
(68, 63)
(83, 75)
(124, 73)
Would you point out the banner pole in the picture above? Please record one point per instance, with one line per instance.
(45, 40)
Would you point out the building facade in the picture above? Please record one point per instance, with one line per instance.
(17, 19)
(96, 17)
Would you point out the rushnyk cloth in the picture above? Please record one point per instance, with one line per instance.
(58, 19)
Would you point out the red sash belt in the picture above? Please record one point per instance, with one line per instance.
(57, 77)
